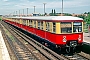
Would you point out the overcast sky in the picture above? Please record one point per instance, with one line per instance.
(70, 6)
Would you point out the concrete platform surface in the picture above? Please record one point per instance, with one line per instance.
(4, 55)
(86, 37)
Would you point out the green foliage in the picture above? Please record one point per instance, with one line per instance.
(45, 14)
(87, 13)
(87, 19)
(67, 14)
(81, 16)
(0, 18)
(85, 26)
(53, 13)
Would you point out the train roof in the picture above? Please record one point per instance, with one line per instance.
(51, 18)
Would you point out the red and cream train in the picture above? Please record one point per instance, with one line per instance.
(60, 31)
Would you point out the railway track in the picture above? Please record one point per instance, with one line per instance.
(21, 52)
(6, 38)
(78, 56)
(49, 54)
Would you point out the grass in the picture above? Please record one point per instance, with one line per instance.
(9, 35)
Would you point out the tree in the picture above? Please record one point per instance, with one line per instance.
(85, 13)
(87, 19)
(0, 18)
(88, 13)
(51, 14)
(81, 16)
(67, 14)
(45, 14)
(54, 12)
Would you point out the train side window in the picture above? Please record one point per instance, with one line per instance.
(15, 20)
(39, 24)
(30, 23)
(66, 27)
(27, 22)
(42, 25)
(54, 27)
(48, 26)
(19, 21)
(24, 22)
(34, 24)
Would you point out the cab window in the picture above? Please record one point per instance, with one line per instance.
(66, 27)
(77, 27)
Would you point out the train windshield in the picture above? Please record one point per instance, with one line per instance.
(77, 27)
(66, 27)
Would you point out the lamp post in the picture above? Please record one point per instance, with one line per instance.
(34, 8)
(16, 13)
(62, 9)
(44, 7)
(13, 13)
(27, 11)
(23, 12)
(19, 13)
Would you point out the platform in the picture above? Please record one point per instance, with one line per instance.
(4, 55)
(86, 37)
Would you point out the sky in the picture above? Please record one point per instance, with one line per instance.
(70, 6)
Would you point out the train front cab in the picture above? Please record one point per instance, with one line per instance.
(70, 34)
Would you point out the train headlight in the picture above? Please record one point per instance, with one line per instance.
(64, 39)
(73, 43)
(79, 38)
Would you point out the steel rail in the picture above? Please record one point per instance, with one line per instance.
(13, 48)
(55, 55)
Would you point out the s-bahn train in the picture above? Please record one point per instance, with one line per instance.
(59, 31)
